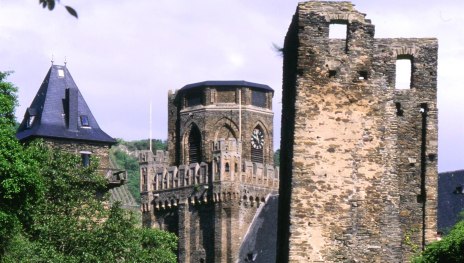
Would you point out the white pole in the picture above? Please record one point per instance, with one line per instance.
(150, 128)
(240, 114)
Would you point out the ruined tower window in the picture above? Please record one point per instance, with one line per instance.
(332, 73)
(194, 145)
(338, 30)
(362, 75)
(403, 73)
(399, 110)
(227, 168)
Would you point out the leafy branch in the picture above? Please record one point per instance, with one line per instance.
(50, 4)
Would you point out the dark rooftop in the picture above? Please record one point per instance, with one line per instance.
(59, 111)
(450, 198)
(259, 244)
(226, 83)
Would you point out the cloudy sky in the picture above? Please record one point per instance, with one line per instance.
(122, 54)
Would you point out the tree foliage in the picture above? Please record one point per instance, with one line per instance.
(20, 184)
(450, 249)
(50, 5)
(51, 209)
(277, 157)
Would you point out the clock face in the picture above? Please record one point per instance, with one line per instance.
(257, 139)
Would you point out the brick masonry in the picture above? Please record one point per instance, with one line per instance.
(358, 156)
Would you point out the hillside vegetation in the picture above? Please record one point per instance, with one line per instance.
(124, 156)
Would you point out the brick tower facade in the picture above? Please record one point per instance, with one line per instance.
(218, 169)
(358, 155)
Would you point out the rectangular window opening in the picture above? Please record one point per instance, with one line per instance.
(403, 73)
(338, 31)
(332, 73)
(61, 73)
(85, 120)
(399, 110)
(85, 156)
(362, 75)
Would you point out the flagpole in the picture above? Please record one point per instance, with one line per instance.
(150, 127)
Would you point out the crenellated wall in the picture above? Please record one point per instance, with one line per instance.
(208, 205)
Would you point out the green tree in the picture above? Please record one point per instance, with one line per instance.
(20, 184)
(277, 157)
(52, 210)
(450, 249)
(131, 165)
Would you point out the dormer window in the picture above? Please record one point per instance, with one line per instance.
(60, 73)
(85, 121)
(30, 121)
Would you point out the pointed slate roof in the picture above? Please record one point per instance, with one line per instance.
(59, 111)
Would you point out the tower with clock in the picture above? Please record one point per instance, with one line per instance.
(218, 170)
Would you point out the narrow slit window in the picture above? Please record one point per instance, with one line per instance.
(399, 110)
(338, 31)
(30, 121)
(403, 73)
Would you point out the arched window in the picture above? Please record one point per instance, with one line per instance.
(257, 145)
(194, 145)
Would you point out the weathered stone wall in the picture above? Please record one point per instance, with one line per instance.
(98, 150)
(358, 178)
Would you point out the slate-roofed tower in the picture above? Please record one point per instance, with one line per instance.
(218, 171)
(358, 176)
(61, 117)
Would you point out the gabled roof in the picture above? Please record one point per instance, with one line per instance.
(226, 83)
(59, 111)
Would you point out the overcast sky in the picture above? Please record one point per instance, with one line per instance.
(124, 53)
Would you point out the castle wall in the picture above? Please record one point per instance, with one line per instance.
(98, 150)
(358, 179)
(209, 206)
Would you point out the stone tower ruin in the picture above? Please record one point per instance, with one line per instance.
(358, 155)
(218, 170)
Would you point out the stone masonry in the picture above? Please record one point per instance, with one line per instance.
(358, 156)
(207, 188)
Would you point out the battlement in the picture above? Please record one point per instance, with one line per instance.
(164, 186)
(161, 157)
(230, 145)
